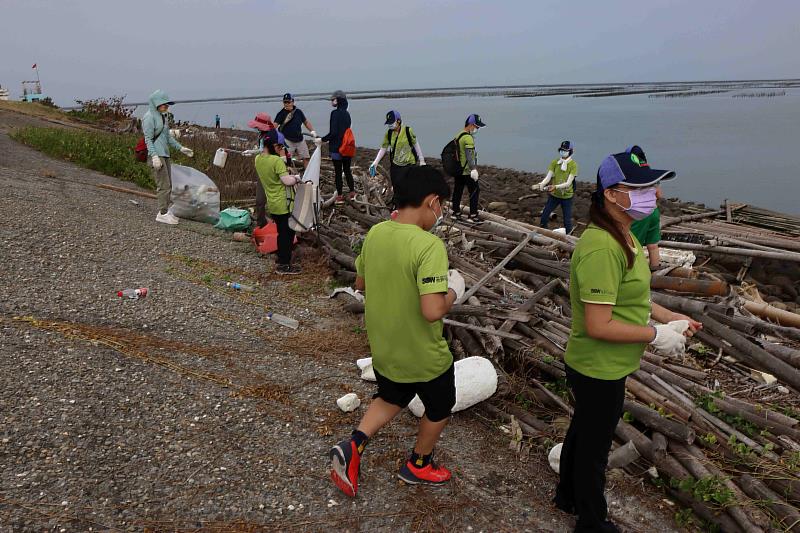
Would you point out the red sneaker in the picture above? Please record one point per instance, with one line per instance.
(432, 474)
(345, 466)
(339, 199)
(351, 196)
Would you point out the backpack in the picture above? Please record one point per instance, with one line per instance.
(394, 146)
(348, 146)
(450, 161)
(140, 151)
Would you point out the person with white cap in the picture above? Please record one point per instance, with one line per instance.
(403, 147)
(290, 120)
(468, 177)
(611, 311)
(562, 173)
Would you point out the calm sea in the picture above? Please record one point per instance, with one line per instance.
(743, 149)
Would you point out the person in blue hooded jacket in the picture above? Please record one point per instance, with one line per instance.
(340, 121)
(158, 139)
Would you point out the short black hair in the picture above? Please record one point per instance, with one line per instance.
(411, 189)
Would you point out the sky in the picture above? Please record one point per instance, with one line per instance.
(215, 48)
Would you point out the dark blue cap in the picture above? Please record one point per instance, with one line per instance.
(392, 117)
(627, 168)
(288, 97)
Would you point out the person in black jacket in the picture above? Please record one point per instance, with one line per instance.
(340, 121)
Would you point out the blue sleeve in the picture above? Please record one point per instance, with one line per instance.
(148, 130)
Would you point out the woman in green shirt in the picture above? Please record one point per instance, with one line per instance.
(611, 309)
(278, 186)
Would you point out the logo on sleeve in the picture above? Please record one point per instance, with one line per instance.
(434, 279)
(601, 291)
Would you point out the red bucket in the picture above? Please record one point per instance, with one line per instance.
(266, 238)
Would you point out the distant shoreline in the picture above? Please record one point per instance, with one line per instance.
(516, 91)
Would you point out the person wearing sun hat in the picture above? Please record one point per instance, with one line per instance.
(468, 157)
(403, 147)
(648, 230)
(562, 172)
(611, 311)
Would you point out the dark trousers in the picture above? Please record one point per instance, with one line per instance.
(584, 455)
(261, 205)
(285, 238)
(458, 191)
(343, 166)
(550, 206)
(396, 173)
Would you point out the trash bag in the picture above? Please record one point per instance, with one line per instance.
(194, 195)
(311, 174)
(233, 219)
(306, 207)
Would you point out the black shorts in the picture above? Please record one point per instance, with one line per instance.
(438, 395)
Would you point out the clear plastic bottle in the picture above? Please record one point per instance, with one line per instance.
(133, 294)
(283, 320)
(239, 286)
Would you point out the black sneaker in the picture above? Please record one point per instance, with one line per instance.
(458, 216)
(475, 219)
(288, 269)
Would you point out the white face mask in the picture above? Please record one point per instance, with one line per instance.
(395, 125)
(439, 217)
(564, 154)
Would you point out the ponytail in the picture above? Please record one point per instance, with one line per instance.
(599, 216)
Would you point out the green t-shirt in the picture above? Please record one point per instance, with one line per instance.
(400, 263)
(466, 141)
(648, 230)
(560, 176)
(599, 274)
(401, 152)
(270, 168)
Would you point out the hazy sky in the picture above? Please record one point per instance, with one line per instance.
(198, 48)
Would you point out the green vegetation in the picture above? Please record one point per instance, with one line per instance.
(706, 401)
(99, 109)
(109, 153)
(708, 489)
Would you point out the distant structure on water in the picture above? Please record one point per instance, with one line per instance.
(3, 94)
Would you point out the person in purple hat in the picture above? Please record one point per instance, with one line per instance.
(611, 312)
(403, 147)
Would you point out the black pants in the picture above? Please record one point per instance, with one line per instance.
(584, 456)
(396, 173)
(285, 238)
(458, 190)
(339, 166)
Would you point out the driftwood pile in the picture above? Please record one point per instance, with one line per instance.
(718, 428)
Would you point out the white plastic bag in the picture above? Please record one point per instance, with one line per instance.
(476, 380)
(194, 195)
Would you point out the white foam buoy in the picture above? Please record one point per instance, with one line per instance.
(220, 158)
(476, 380)
(367, 372)
(348, 402)
(554, 457)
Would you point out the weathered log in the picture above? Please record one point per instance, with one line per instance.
(787, 488)
(692, 286)
(763, 326)
(493, 272)
(788, 514)
(670, 221)
(481, 329)
(727, 250)
(653, 420)
(765, 310)
(786, 373)
(659, 444)
(527, 430)
(762, 421)
(471, 345)
(623, 455)
(724, 521)
(788, 355)
(530, 302)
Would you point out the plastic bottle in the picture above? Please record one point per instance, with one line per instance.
(133, 294)
(283, 320)
(239, 286)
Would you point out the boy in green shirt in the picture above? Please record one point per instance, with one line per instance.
(562, 172)
(469, 169)
(403, 270)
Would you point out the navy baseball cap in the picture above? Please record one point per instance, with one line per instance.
(630, 168)
(288, 97)
(392, 117)
(474, 119)
(567, 145)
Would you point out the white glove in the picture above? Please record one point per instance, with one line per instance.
(456, 282)
(670, 340)
(422, 162)
(156, 162)
(250, 153)
(474, 174)
(536, 187)
(314, 134)
(318, 141)
(187, 151)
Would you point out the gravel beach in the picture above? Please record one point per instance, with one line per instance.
(189, 409)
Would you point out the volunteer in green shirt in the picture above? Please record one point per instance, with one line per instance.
(403, 270)
(562, 172)
(611, 308)
(648, 230)
(403, 147)
(469, 169)
(278, 187)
